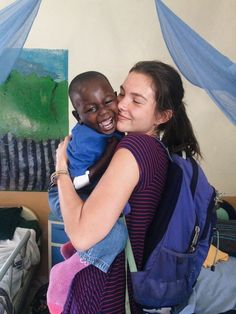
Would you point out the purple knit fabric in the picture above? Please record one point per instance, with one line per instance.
(93, 291)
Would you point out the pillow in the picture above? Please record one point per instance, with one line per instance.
(227, 236)
(9, 220)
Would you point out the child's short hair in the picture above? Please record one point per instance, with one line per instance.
(86, 76)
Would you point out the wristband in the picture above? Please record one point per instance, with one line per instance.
(56, 174)
(81, 181)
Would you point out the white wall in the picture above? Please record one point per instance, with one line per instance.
(111, 35)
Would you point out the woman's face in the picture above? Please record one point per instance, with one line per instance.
(137, 105)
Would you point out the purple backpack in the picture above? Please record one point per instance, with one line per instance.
(178, 239)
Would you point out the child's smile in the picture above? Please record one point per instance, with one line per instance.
(107, 125)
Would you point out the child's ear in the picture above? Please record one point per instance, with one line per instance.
(76, 115)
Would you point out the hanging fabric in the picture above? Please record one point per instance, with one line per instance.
(198, 61)
(15, 24)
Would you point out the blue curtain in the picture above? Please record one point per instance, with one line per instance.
(198, 61)
(15, 24)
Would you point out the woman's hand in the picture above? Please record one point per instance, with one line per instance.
(61, 155)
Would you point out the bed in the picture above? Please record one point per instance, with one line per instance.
(19, 256)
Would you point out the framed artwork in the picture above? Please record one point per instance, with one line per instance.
(33, 119)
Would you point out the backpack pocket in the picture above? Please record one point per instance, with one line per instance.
(166, 279)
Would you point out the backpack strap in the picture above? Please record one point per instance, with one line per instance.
(129, 252)
(129, 258)
(164, 146)
(127, 302)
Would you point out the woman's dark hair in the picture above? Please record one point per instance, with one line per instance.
(168, 86)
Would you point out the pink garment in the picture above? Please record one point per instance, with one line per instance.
(61, 276)
(67, 250)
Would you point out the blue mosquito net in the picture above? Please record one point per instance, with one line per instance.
(15, 23)
(198, 61)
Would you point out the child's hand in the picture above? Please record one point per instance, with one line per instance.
(112, 143)
(101, 165)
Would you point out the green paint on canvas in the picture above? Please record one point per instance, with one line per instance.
(34, 107)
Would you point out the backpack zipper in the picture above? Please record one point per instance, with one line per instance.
(195, 239)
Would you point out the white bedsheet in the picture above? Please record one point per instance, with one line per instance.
(22, 264)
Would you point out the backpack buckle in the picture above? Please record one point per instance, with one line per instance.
(218, 199)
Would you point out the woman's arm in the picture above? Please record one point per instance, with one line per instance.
(87, 223)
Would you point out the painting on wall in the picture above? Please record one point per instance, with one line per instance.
(33, 119)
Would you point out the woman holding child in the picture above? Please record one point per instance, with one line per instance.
(150, 105)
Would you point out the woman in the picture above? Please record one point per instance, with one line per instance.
(150, 103)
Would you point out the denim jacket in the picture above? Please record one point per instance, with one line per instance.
(104, 252)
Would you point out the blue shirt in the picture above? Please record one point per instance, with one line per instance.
(86, 148)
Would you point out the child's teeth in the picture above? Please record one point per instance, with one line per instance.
(107, 122)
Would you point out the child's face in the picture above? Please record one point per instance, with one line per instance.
(95, 105)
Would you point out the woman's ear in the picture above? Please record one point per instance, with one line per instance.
(76, 115)
(164, 116)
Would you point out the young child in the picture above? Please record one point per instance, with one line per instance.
(94, 139)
